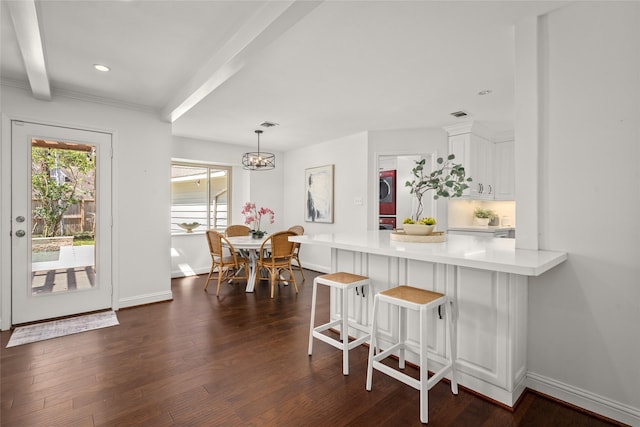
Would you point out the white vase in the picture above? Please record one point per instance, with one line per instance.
(417, 229)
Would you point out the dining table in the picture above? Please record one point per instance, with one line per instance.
(251, 246)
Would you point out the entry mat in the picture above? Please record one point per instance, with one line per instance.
(60, 328)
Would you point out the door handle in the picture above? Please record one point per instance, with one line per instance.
(20, 218)
(20, 233)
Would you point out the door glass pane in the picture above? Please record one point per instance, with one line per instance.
(63, 216)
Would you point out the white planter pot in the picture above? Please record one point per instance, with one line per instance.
(417, 229)
(483, 221)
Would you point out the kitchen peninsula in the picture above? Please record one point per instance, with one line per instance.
(487, 279)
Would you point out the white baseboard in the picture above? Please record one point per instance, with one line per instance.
(584, 399)
(145, 299)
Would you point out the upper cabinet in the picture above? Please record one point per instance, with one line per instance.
(489, 164)
(504, 171)
(476, 155)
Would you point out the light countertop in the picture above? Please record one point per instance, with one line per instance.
(480, 228)
(482, 252)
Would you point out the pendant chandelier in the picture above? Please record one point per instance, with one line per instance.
(257, 160)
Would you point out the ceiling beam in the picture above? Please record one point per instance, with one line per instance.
(272, 20)
(25, 23)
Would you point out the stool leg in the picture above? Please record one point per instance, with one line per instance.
(313, 315)
(424, 370)
(344, 332)
(402, 335)
(452, 346)
(372, 344)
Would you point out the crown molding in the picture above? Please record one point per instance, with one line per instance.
(105, 101)
(79, 96)
(476, 128)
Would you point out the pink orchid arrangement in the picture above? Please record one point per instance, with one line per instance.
(252, 215)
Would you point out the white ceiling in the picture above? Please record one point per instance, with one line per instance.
(321, 70)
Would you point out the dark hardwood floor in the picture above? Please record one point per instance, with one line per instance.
(237, 360)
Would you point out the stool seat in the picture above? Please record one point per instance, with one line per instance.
(342, 279)
(411, 298)
(342, 282)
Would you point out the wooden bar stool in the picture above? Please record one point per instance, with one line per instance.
(423, 301)
(342, 282)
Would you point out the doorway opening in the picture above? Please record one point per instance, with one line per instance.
(60, 190)
(395, 199)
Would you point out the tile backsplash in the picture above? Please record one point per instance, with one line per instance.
(461, 212)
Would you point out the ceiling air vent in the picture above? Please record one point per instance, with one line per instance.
(459, 114)
(268, 124)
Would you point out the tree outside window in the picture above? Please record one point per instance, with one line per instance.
(58, 178)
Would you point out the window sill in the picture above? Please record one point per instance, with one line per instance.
(184, 233)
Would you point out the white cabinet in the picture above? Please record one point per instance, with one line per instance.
(476, 155)
(504, 171)
(491, 165)
(491, 339)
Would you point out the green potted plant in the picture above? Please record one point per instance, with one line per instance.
(483, 216)
(447, 180)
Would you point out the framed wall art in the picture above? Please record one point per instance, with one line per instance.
(318, 184)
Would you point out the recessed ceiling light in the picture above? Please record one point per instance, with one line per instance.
(101, 67)
(485, 92)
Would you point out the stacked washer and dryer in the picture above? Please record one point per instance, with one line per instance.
(387, 210)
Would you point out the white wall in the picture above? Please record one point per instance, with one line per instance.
(189, 252)
(348, 155)
(140, 188)
(584, 315)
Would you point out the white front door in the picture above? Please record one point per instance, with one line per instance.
(60, 221)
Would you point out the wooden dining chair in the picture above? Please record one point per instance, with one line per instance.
(228, 264)
(299, 230)
(279, 257)
(236, 230)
